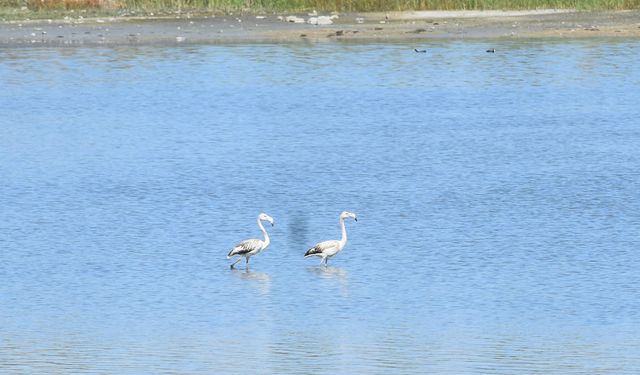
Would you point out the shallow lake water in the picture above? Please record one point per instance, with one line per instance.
(498, 202)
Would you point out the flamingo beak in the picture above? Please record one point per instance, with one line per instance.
(355, 218)
(272, 223)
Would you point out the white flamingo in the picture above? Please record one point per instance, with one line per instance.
(327, 249)
(249, 248)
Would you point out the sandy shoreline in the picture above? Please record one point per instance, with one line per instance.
(356, 27)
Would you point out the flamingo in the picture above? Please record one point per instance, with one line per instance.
(249, 248)
(327, 249)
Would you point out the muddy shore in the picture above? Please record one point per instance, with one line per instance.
(185, 29)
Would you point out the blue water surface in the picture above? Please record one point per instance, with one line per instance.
(498, 202)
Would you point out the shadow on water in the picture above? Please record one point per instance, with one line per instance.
(259, 280)
(298, 228)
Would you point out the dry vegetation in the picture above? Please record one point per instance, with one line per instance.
(321, 5)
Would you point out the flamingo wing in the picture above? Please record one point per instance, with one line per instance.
(321, 247)
(245, 247)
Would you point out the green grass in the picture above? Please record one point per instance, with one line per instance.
(38, 7)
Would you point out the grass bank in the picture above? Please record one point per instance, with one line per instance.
(42, 8)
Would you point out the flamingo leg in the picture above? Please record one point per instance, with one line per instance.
(234, 263)
(247, 263)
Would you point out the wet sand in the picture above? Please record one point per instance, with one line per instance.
(417, 26)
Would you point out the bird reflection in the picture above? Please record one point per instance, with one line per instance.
(335, 274)
(259, 280)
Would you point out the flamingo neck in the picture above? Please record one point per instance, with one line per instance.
(343, 240)
(267, 241)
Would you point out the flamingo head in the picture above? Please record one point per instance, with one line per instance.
(346, 214)
(265, 217)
